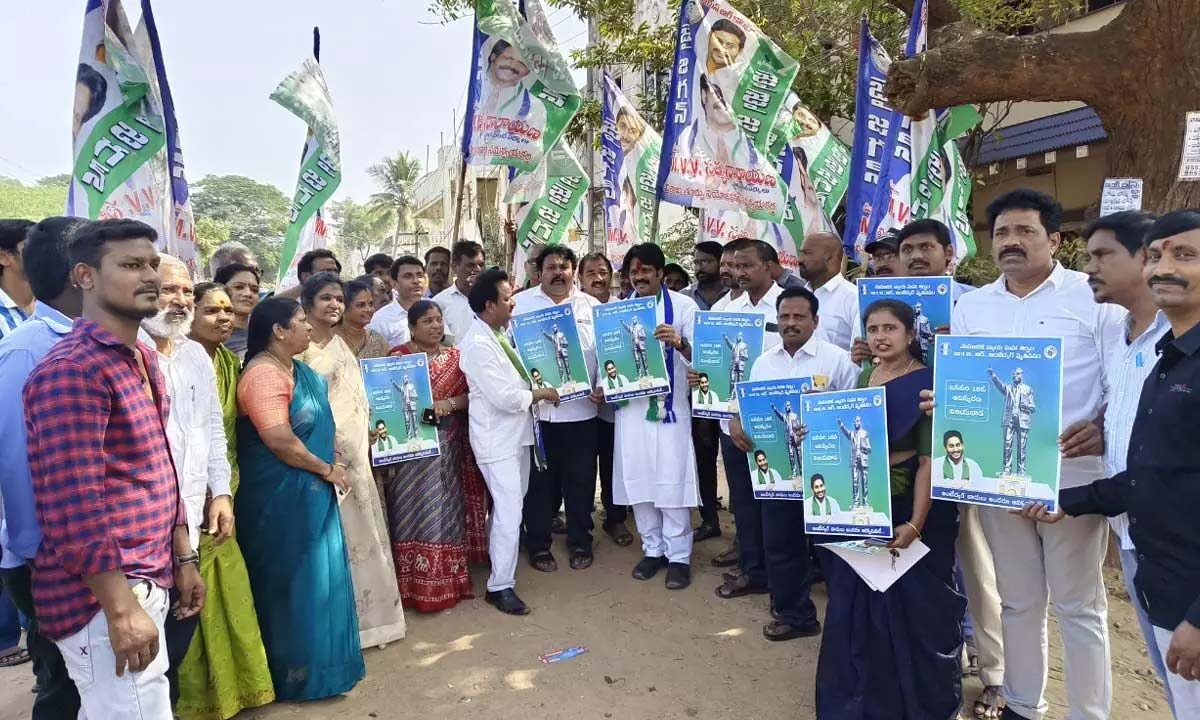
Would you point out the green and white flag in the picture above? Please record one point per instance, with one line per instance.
(821, 154)
(547, 200)
(521, 94)
(119, 136)
(306, 95)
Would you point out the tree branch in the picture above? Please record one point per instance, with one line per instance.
(941, 12)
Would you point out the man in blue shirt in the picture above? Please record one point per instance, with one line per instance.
(58, 303)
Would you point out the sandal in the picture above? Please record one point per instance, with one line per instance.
(728, 558)
(14, 657)
(619, 534)
(739, 588)
(543, 561)
(989, 703)
(580, 559)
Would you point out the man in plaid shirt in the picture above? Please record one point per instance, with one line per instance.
(104, 484)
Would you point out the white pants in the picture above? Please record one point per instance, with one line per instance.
(665, 531)
(1185, 694)
(983, 601)
(1036, 563)
(507, 480)
(89, 657)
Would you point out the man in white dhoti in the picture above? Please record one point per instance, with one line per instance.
(655, 466)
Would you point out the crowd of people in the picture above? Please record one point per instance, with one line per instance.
(193, 526)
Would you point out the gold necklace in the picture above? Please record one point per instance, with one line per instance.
(280, 363)
(903, 372)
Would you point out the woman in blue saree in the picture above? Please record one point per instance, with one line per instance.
(895, 654)
(288, 520)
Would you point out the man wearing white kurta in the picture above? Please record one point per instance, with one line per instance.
(501, 427)
(655, 466)
(1035, 296)
(195, 433)
(466, 258)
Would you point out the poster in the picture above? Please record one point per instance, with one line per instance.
(547, 200)
(819, 152)
(631, 361)
(630, 150)
(770, 415)
(1189, 159)
(118, 132)
(724, 348)
(728, 82)
(929, 297)
(306, 95)
(398, 392)
(997, 420)
(1120, 194)
(846, 463)
(548, 342)
(521, 95)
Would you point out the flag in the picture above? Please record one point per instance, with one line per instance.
(548, 199)
(521, 94)
(823, 156)
(728, 82)
(118, 132)
(306, 95)
(630, 150)
(873, 118)
(179, 221)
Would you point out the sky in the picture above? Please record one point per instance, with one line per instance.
(396, 74)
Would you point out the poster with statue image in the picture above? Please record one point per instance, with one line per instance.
(399, 394)
(997, 420)
(631, 361)
(724, 348)
(929, 297)
(845, 453)
(770, 414)
(548, 342)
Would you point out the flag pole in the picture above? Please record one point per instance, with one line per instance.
(458, 202)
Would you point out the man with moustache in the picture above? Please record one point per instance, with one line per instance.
(1160, 488)
(728, 280)
(467, 260)
(437, 266)
(885, 260)
(821, 266)
(708, 289)
(408, 282)
(568, 431)
(595, 273)
(195, 433)
(706, 264)
(1037, 296)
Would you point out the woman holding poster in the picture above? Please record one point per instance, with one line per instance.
(437, 506)
(380, 616)
(912, 633)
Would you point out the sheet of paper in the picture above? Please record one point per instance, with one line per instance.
(1189, 158)
(879, 567)
(1120, 194)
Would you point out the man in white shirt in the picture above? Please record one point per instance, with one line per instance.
(195, 433)
(1116, 257)
(16, 296)
(467, 261)
(569, 433)
(820, 263)
(501, 427)
(797, 351)
(1036, 296)
(409, 284)
(654, 463)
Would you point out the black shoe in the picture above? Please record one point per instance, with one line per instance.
(780, 631)
(648, 567)
(558, 526)
(507, 602)
(679, 576)
(706, 531)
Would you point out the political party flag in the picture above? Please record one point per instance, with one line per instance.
(724, 348)
(769, 411)
(521, 95)
(631, 361)
(728, 82)
(179, 221)
(400, 397)
(548, 342)
(306, 95)
(630, 150)
(547, 199)
(846, 449)
(929, 297)
(817, 150)
(119, 135)
(997, 420)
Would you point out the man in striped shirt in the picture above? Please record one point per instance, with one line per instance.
(16, 297)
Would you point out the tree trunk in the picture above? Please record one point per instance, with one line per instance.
(1141, 73)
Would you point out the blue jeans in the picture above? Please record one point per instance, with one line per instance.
(1129, 569)
(11, 623)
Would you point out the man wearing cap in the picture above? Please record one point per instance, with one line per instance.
(885, 256)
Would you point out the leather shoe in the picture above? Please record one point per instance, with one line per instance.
(779, 631)
(679, 576)
(507, 602)
(705, 532)
(648, 567)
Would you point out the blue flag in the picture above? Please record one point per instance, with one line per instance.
(873, 119)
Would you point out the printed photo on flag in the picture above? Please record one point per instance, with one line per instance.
(546, 202)
(631, 151)
(824, 158)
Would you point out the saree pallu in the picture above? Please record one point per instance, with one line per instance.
(291, 533)
(225, 670)
(895, 655)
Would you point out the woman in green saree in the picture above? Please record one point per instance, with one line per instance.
(225, 670)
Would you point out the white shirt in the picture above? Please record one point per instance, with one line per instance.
(1129, 365)
(838, 311)
(501, 425)
(195, 430)
(11, 314)
(766, 308)
(581, 307)
(828, 365)
(391, 321)
(974, 472)
(1062, 306)
(723, 304)
(456, 311)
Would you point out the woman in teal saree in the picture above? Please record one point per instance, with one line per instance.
(288, 520)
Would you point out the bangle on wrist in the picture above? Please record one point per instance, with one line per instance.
(192, 558)
(914, 527)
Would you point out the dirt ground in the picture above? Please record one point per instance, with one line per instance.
(651, 654)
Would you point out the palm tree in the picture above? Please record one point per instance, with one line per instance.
(393, 204)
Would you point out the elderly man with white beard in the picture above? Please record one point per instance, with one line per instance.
(195, 432)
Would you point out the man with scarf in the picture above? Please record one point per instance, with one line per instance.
(655, 467)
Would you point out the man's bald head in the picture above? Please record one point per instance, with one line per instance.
(820, 257)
